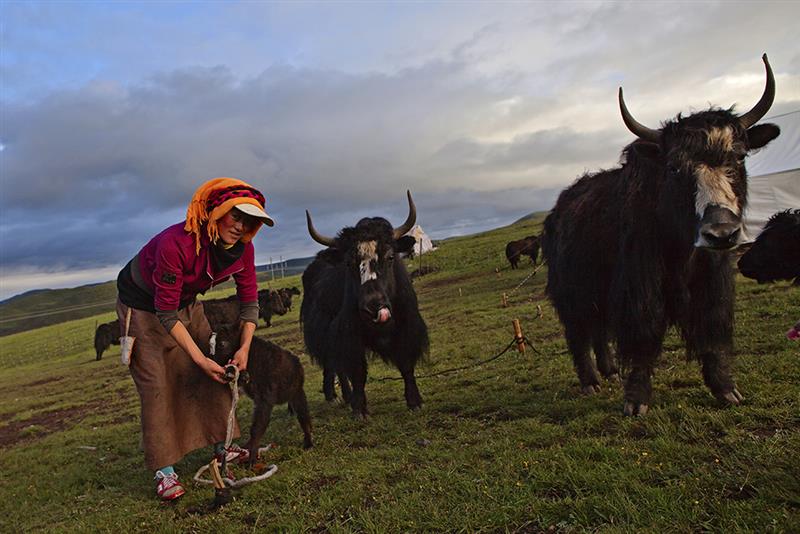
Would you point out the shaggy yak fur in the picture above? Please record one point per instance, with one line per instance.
(286, 296)
(638, 248)
(221, 312)
(358, 298)
(775, 255)
(270, 302)
(274, 376)
(107, 334)
(528, 246)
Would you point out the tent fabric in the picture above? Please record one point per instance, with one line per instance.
(424, 243)
(774, 174)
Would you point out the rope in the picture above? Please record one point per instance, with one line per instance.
(513, 342)
(536, 270)
(232, 373)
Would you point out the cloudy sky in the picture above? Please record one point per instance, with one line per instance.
(113, 113)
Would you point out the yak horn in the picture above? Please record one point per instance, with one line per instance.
(316, 236)
(638, 129)
(412, 218)
(760, 109)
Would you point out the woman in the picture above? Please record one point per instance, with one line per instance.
(184, 402)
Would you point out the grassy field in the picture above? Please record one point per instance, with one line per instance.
(506, 446)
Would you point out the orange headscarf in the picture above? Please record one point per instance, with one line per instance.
(206, 209)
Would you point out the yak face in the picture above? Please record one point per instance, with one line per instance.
(705, 155)
(704, 177)
(369, 250)
(775, 255)
(371, 261)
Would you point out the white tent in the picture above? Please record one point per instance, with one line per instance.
(424, 243)
(774, 174)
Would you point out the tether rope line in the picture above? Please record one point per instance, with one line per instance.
(229, 438)
(513, 342)
(536, 270)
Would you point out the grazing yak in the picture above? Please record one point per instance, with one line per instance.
(286, 296)
(358, 297)
(274, 376)
(107, 334)
(638, 248)
(775, 255)
(270, 302)
(528, 246)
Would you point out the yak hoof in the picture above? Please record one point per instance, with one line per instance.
(414, 407)
(632, 409)
(733, 397)
(591, 389)
(358, 416)
(614, 378)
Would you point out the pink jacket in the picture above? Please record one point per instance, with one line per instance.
(170, 266)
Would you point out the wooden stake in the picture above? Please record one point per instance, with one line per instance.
(505, 300)
(497, 271)
(459, 291)
(518, 336)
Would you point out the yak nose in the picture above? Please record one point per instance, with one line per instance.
(721, 235)
(719, 229)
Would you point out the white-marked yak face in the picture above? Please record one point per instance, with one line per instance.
(370, 250)
(703, 159)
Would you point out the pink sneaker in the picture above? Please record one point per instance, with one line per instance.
(168, 487)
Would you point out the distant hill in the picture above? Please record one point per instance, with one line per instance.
(43, 307)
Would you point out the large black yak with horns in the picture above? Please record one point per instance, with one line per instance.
(635, 249)
(359, 298)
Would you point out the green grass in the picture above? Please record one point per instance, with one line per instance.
(506, 446)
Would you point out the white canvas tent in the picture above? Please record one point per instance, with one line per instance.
(774, 174)
(424, 243)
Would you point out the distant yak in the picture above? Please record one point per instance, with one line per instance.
(358, 298)
(528, 246)
(105, 335)
(636, 249)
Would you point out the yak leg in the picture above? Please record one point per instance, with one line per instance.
(717, 376)
(328, 387)
(261, 414)
(638, 390)
(605, 360)
(708, 323)
(300, 406)
(357, 372)
(413, 398)
(344, 384)
(578, 343)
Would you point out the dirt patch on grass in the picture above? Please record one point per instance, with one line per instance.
(43, 382)
(44, 424)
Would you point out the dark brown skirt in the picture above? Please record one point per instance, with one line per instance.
(182, 408)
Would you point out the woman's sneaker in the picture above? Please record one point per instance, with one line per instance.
(168, 487)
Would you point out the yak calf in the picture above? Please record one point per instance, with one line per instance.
(274, 376)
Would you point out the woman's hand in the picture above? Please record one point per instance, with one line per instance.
(214, 371)
(240, 359)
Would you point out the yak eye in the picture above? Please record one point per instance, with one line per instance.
(673, 170)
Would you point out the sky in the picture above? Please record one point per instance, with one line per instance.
(112, 113)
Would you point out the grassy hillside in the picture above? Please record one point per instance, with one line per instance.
(506, 446)
(45, 307)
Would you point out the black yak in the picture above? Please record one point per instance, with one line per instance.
(274, 376)
(775, 254)
(107, 334)
(646, 245)
(286, 296)
(528, 246)
(270, 302)
(358, 297)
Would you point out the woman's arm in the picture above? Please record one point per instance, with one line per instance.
(185, 341)
(240, 358)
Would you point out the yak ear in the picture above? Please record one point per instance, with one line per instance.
(647, 150)
(405, 244)
(761, 134)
